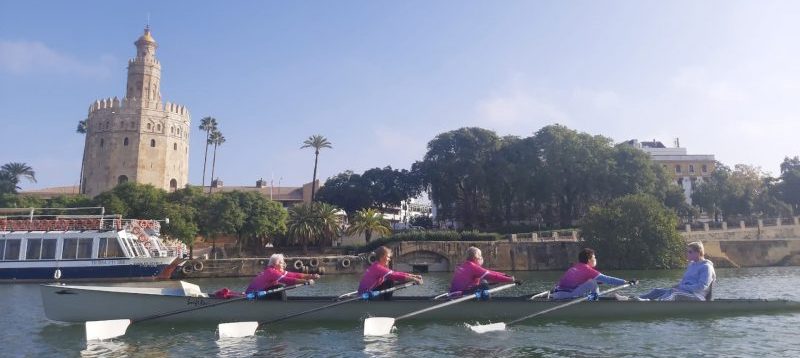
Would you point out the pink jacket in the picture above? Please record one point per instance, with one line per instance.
(377, 274)
(273, 276)
(576, 276)
(469, 275)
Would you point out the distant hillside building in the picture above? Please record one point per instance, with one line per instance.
(688, 170)
(137, 138)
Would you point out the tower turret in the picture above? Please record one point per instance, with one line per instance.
(144, 71)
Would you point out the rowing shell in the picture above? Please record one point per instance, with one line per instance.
(68, 303)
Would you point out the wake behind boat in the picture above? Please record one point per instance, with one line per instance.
(38, 248)
(71, 303)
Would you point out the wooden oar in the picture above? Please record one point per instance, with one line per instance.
(381, 326)
(483, 328)
(244, 329)
(540, 294)
(100, 330)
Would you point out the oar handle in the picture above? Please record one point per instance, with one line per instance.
(540, 294)
(375, 293)
(570, 303)
(457, 300)
(248, 297)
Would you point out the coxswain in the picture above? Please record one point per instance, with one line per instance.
(696, 282)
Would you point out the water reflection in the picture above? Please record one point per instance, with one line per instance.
(381, 346)
(107, 349)
(237, 347)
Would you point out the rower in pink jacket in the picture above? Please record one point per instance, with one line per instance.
(380, 277)
(470, 275)
(275, 275)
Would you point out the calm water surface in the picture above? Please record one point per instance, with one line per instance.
(26, 331)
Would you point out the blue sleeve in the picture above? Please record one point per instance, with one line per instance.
(610, 280)
(704, 278)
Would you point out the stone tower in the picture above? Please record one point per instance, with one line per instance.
(138, 138)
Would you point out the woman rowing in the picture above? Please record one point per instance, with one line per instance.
(470, 276)
(380, 277)
(696, 282)
(582, 278)
(275, 276)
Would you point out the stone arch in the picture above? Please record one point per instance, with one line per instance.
(122, 179)
(173, 184)
(153, 143)
(422, 261)
(125, 142)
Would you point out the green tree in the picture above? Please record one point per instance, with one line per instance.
(220, 215)
(788, 189)
(634, 232)
(14, 172)
(262, 219)
(454, 168)
(141, 201)
(304, 224)
(182, 224)
(368, 222)
(348, 191)
(217, 139)
(208, 125)
(329, 223)
(317, 142)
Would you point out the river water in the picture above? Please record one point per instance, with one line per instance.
(26, 331)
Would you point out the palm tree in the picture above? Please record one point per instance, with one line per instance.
(82, 129)
(208, 125)
(304, 224)
(216, 139)
(369, 221)
(317, 142)
(329, 221)
(8, 184)
(15, 171)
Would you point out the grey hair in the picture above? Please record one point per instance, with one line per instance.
(473, 252)
(697, 246)
(274, 259)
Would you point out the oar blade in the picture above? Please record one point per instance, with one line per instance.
(237, 329)
(378, 326)
(484, 328)
(101, 330)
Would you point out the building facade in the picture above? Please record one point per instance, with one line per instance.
(688, 170)
(137, 138)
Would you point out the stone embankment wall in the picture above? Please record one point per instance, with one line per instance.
(249, 267)
(767, 243)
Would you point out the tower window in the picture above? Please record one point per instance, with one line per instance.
(172, 130)
(691, 168)
(122, 179)
(149, 126)
(173, 184)
(101, 142)
(125, 142)
(179, 130)
(678, 168)
(153, 143)
(175, 146)
(158, 127)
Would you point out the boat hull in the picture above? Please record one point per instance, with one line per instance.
(80, 304)
(77, 270)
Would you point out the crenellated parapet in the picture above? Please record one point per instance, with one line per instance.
(144, 61)
(115, 105)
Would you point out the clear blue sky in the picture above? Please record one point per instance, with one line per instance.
(380, 79)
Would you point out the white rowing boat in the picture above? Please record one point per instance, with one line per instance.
(72, 303)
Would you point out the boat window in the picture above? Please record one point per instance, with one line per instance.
(11, 250)
(139, 249)
(69, 248)
(84, 248)
(34, 249)
(109, 247)
(49, 249)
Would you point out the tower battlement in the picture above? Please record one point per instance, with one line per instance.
(115, 105)
(144, 61)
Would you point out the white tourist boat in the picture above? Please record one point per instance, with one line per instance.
(71, 303)
(82, 247)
